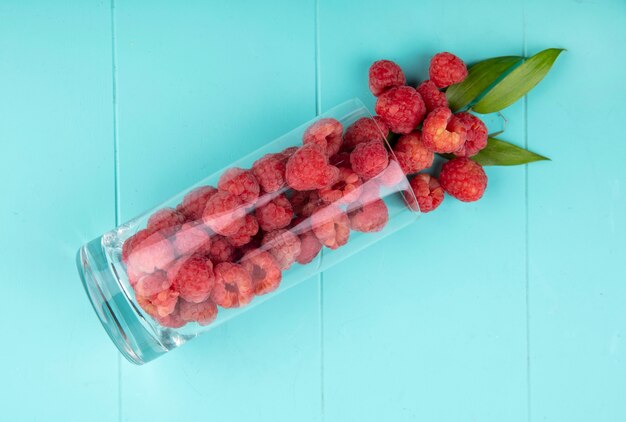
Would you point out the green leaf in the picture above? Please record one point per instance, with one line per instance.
(501, 153)
(517, 83)
(479, 77)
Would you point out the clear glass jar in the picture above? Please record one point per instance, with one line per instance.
(149, 280)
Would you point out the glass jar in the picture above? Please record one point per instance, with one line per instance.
(225, 245)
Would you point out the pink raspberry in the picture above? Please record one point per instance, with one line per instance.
(401, 108)
(283, 245)
(131, 242)
(392, 175)
(370, 217)
(325, 133)
(433, 98)
(194, 202)
(385, 74)
(365, 130)
(276, 214)
(345, 190)
(308, 169)
(264, 271)
(463, 179)
(310, 246)
(240, 183)
(245, 232)
(221, 250)
(192, 238)
(193, 278)
(233, 286)
(369, 159)
(331, 226)
(203, 313)
(151, 253)
(151, 284)
(159, 305)
(269, 171)
(446, 69)
(427, 191)
(369, 191)
(172, 320)
(411, 153)
(164, 219)
(476, 135)
(224, 213)
(442, 131)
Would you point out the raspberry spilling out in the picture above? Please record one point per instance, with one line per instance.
(310, 246)
(283, 245)
(276, 214)
(369, 159)
(385, 74)
(159, 305)
(325, 133)
(345, 190)
(446, 69)
(442, 131)
(463, 179)
(203, 313)
(194, 202)
(221, 250)
(192, 238)
(365, 130)
(269, 171)
(427, 191)
(476, 135)
(370, 217)
(193, 278)
(433, 98)
(331, 226)
(401, 108)
(233, 286)
(412, 154)
(151, 284)
(264, 271)
(150, 252)
(240, 183)
(164, 219)
(308, 169)
(224, 213)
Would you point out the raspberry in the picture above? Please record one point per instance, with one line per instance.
(203, 313)
(287, 152)
(276, 214)
(308, 169)
(193, 278)
(233, 286)
(369, 159)
(172, 320)
(150, 253)
(331, 226)
(269, 171)
(283, 245)
(310, 246)
(427, 191)
(304, 203)
(442, 131)
(240, 183)
(370, 191)
(364, 130)
(194, 202)
(411, 153)
(392, 175)
(385, 74)
(370, 217)
(433, 98)
(192, 238)
(221, 250)
(224, 213)
(245, 232)
(401, 108)
(131, 242)
(345, 190)
(325, 133)
(463, 179)
(446, 69)
(164, 219)
(263, 270)
(151, 284)
(476, 135)
(159, 305)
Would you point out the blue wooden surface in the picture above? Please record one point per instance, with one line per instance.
(512, 308)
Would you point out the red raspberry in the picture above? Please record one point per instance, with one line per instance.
(433, 98)
(310, 246)
(411, 153)
(276, 214)
(343, 191)
(463, 179)
(476, 135)
(446, 69)
(263, 270)
(151, 284)
(331, 226)
(442, 131)
(385, 74)
(221, 250)
(233, 286)
(192, 238)
(269, 170)
(164, 219)
(224, 213)
(172, 320)
(283, 245)
(365, 130)
(193, 278)
(203, 313)
(325, 133)
(369, 159)
(427, 191)
(245, 232)
(304, 203)
(159, 305)
(370, 217)
(240, 183)
(308, 169)
(151, 253)
(401, 108)
(194, 202)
